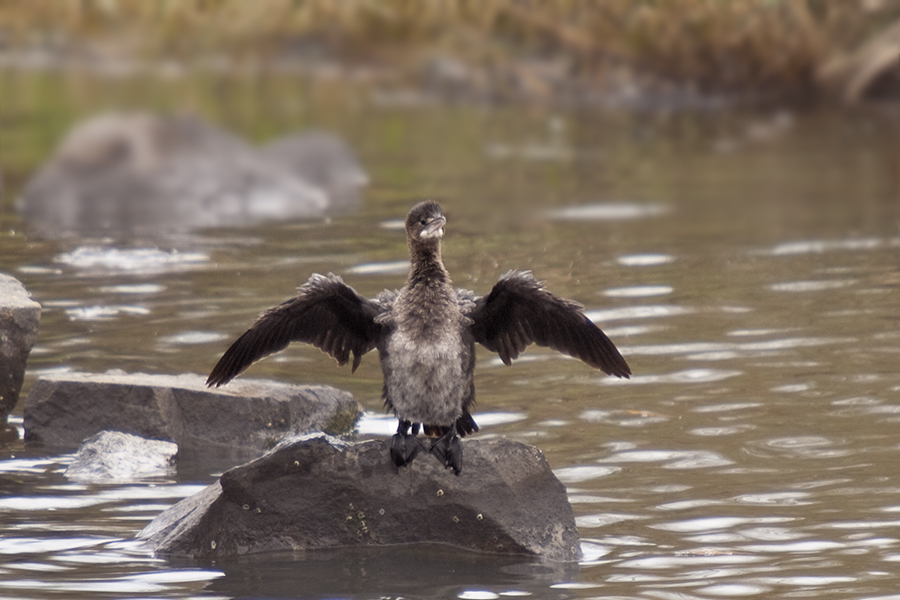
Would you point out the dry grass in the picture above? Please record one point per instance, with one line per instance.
(713, 44)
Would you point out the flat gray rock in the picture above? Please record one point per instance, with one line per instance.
(249, 416)
(117, 456)
(20, 317)
(319, 492)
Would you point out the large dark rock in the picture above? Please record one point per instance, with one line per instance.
(320, 492)
(20, 317)
(152, 174)
(117, 456)
(249, 415)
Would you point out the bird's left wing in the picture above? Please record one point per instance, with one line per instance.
(519, 312)
(326, 313)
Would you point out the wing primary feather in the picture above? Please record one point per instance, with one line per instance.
(519, 311)
(326, 313)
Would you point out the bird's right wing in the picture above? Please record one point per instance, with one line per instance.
(519, 312)
(326, 313)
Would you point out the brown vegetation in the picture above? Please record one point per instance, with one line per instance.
(721, 45)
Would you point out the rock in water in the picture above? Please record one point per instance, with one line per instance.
(117, 456)
(319, 492)
(323, 160)
(250, 417)
(145, 173)
(19, 320)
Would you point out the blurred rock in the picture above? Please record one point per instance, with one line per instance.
(323, 160)
(20, 317)
(244, 419)
(117, 456)
(320, 492)
(145, 173)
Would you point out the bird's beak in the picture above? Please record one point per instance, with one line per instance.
(435, 228)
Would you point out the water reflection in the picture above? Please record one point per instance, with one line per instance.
(427, 572)
(584, 473)
(636, 312)
(686, 376)
(673, 459)
(819, 246)
(812, 286)
(193, 337)
(398, 267)
(103, 313)
(134, 260)
(644, 260)
(608, 211)
(639, 291)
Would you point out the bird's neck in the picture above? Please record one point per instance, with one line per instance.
(427, 267)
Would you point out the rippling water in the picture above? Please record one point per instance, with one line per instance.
(752, 286)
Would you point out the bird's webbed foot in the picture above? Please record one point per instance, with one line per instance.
(448, 450)
(405, 445)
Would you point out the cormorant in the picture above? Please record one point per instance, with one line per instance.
(425, 335)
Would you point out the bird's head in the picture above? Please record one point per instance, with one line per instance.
(425, 223)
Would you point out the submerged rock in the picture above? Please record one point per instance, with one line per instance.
(148, 173)
(319, 492)
(117, 456)
(20, 317)
(246, 418)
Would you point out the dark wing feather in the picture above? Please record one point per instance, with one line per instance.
(519, 312)
(326, 313)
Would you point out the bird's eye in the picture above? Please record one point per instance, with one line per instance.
(425, 221)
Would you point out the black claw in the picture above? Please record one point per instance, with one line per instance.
(405, 446)
(448, 450)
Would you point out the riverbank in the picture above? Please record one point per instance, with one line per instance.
(621, 51)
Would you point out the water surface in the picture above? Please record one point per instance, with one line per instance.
(751, 281)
